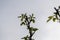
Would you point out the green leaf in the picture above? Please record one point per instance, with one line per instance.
(21, 19)
(26, 37)
(31, 28)
(54, 19)
(25, 15)
(32, 15)
(32, 20)
(35, 29)
(22, 15)
(49, 18)
(22, 23)
(19, 16)
(59, 7)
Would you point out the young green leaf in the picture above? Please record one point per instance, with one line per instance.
(21, 19)
(33, 20)
(49, 18)
(59, 7)
(19, 16)
(35, 29)
(31, 29)
(22, 23)
(54, 19)
(26, 38)
(32, 15)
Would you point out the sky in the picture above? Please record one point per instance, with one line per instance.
(10, 28)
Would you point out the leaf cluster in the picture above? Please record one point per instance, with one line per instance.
(55, 16)
(26, 20)
(51, 18)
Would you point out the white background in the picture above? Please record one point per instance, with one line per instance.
(10, 28)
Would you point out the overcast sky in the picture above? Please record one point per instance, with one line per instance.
(10, 28)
